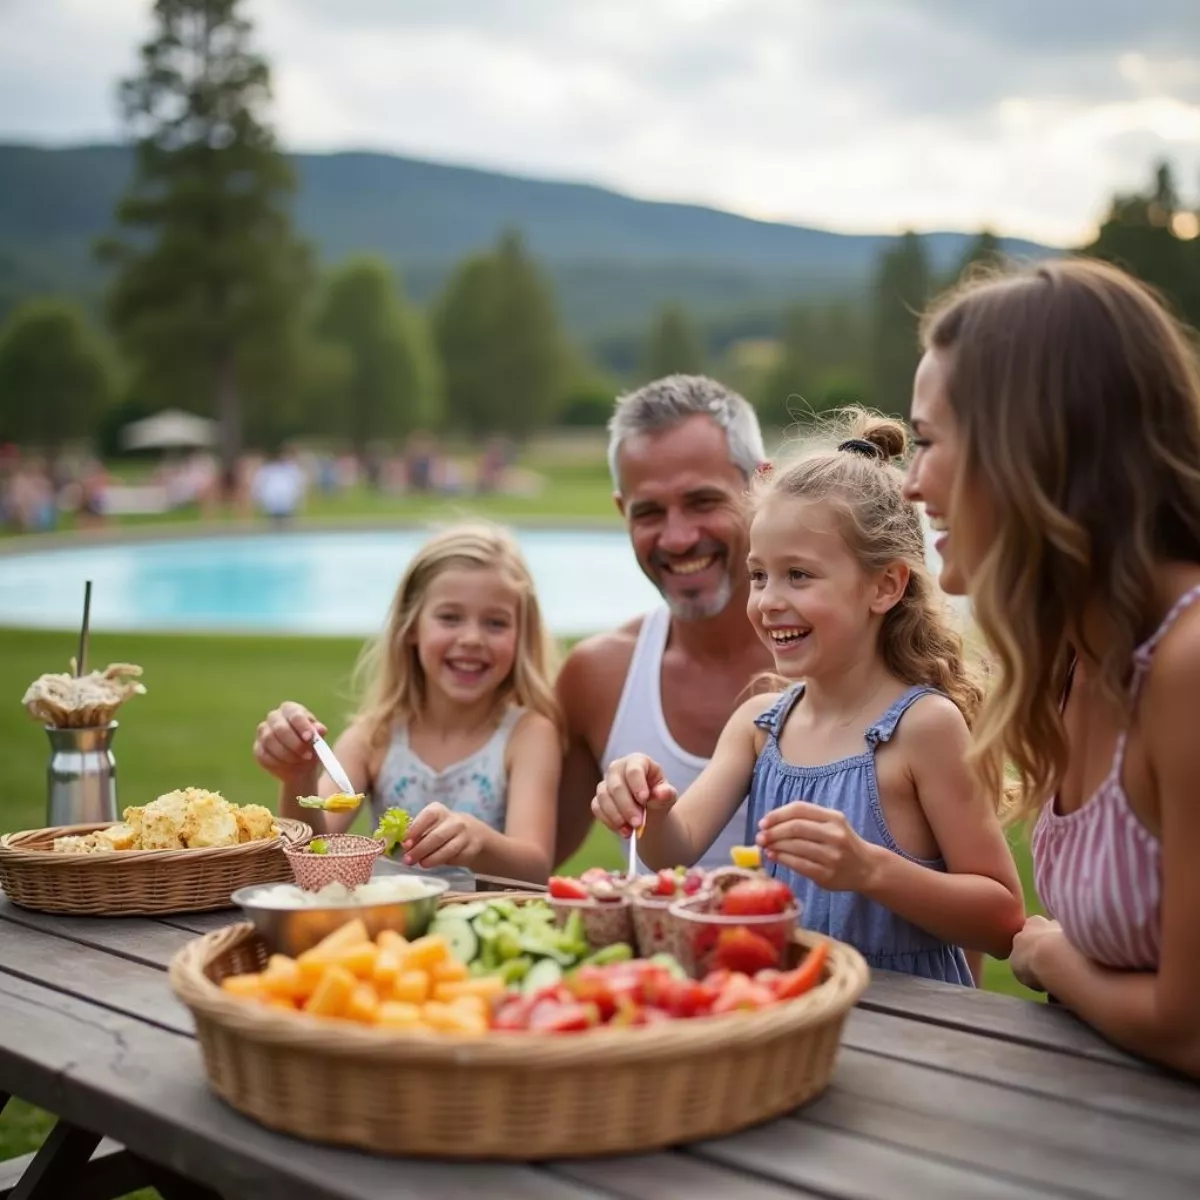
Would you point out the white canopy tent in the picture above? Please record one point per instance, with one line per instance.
(169, 429)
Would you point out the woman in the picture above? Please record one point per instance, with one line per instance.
(1057, 422)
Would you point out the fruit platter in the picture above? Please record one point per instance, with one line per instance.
(527, 1026)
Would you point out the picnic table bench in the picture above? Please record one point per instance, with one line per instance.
(939, 1091)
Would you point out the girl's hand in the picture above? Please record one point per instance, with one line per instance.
(1030, 942)
(439, 837)
(283, 745)
(819, 844)
(631, 785)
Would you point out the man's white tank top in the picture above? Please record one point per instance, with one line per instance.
(640, 726)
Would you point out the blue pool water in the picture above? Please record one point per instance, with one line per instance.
(315, 583)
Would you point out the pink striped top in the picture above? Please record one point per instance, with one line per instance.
(1098, 870)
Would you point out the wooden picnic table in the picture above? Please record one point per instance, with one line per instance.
(940, 1091)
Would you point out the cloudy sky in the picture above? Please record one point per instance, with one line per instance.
(859, 115)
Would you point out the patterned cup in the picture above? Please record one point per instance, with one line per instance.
(652, 924)
(702, 939)
(348, 859)
(605, 922)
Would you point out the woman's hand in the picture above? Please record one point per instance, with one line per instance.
(1038, 934)
(283, 745)
(818, 843)
(630, 786)
(439, 836)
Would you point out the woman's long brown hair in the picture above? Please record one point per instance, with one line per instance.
(1077, 397)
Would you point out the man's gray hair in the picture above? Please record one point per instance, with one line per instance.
(667, 402)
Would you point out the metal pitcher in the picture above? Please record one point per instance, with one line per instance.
(82, 776)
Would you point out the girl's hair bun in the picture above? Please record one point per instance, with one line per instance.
(889, 437)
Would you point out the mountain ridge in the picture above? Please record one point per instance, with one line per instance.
(614, 258)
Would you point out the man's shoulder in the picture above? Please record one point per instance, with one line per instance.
(601, 657)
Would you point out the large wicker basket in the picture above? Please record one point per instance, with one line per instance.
(136, 882)
(518, 1096)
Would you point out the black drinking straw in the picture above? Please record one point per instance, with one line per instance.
(81, 661)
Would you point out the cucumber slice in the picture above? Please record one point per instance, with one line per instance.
(614, 953)
(459, 936)
(465, 912)
(544, 973)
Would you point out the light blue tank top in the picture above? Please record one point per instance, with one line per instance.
(477, 784)
(850, 785)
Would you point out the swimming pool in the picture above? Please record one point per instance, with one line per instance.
(298, 582)
(335, 582)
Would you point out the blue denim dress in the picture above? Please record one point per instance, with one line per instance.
(885, 940)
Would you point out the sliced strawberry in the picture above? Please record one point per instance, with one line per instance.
(745, 951)
(805, 977)
(664, 884)
(553, 1016)
(561, 887)
(757, 898)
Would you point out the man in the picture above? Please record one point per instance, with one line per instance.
(681, 453)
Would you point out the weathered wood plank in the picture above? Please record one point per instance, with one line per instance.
(674, 1177)
(201, 922)
(975, 1011)
(977, 1124)
(134, 938)
(842, 1166)
(95, 976)
(1155, 1097)
(145, 1087)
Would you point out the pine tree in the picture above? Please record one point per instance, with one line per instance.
(56, 375)
(983, 251)
(673, 347)
(901, 290)
(210, 279)
(388, 388)
(1140, 234)
(500, 344)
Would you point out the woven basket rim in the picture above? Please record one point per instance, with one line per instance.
(12, 852)
(341, 845)
(847, 976)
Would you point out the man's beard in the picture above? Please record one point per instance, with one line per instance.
(701, 608)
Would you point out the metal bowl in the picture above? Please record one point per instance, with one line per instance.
(291, 931)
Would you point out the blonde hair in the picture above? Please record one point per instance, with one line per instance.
(1077, 398)
(918, 639)
(389, 674)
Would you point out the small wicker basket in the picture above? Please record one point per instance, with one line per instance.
(120, 883)
(516, 1096)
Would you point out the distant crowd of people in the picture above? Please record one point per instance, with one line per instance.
(36, 496)
(35, 493)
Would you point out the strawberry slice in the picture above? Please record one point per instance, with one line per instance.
(757, 898)
(745, 951)
(664, 884)
(562, 887)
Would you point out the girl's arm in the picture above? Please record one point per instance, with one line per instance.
(441, 836)
(1154, 1014)
(283, 746)
(353, 751)
(679, 835)
(977, 901)
(525, 850)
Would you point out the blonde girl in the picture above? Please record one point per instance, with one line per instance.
(1057, 416)
(459, 726)
(859, 793)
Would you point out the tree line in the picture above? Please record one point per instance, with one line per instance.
(216, 306)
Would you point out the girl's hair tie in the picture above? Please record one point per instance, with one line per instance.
(861, 446)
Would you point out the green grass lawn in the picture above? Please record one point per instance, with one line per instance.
(195, 727)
